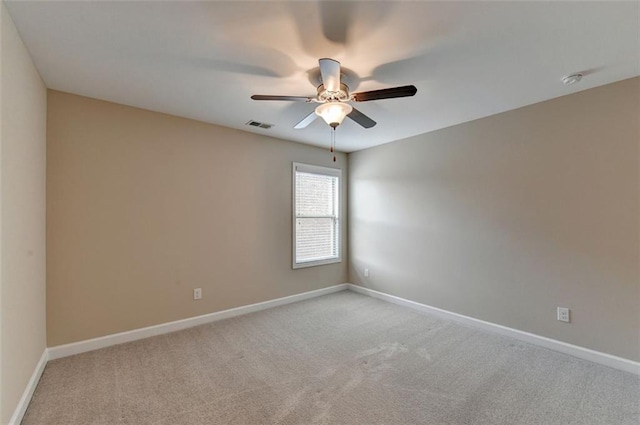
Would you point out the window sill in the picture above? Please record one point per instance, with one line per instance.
(316, 263)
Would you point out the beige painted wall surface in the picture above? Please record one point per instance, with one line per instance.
(143, 207)
(508, 217)
(22, 217)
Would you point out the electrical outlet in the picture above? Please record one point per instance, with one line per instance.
(197, 293)
(366, 272)
(563, 314)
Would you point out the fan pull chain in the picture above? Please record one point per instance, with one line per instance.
(333, 139)
(333, 142)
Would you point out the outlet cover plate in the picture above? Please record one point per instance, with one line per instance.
(563, 314)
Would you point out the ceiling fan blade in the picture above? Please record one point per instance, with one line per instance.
(330, 71)
(306, 120)
(361, 118)
(270, 97)
(390, 93)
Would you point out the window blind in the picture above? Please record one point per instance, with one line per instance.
(316, 199)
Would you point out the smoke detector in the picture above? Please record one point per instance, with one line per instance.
(571, 79)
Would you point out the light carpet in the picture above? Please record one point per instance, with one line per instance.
(343, 358)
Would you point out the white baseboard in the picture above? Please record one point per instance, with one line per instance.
(136, 334)
(21, 408)
(552, 344)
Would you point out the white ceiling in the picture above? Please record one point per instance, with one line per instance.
(203, 60)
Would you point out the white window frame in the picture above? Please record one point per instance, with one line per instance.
(333, 172)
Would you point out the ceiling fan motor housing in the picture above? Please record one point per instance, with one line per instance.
(325, 95)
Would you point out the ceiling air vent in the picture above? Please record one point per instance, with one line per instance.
(264, 125)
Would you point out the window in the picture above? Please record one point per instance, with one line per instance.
(316, 221)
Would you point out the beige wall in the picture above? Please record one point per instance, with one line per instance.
(143, 207)
(22, 216)
(507, 217)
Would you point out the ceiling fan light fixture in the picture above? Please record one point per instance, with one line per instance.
(333, 113)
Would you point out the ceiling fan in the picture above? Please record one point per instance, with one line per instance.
(333, 96)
